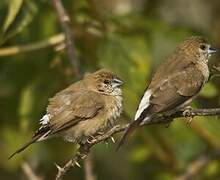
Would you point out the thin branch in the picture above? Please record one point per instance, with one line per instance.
(84, 150)
(80, 155)
(69, 39)
(214, 71)
(14, 50)
(198, 165)
(88, 168)
(29, 172)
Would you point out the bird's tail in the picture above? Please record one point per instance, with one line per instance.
(128, 131)
(39, 136)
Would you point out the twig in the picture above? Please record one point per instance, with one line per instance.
(88, 168)
(81, 154)
(29, 172)
(14, 50)
(198, 165)
(214, 71)
(84, 150)
(69, 39)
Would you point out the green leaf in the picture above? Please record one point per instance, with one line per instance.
(20, 14)
(26, 106)
(13, 9)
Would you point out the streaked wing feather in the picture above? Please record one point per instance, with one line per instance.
(82, 105)
(176, 90)
(170, 67)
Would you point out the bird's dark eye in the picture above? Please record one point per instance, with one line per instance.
(106, 81)
(202, 47)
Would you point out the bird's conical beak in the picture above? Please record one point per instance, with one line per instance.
(212, 50)
(117, 82)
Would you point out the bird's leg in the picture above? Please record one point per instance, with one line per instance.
(187, 114)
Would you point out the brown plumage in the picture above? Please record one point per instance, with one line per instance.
(82, 110)
(175, 82)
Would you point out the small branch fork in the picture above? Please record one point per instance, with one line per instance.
(215, 71)
(84, 150)
(69, 39)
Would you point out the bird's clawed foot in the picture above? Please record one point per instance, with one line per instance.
(187, 113)
(91, 139)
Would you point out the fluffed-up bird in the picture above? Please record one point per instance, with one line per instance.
(82, 110)
(175, 82)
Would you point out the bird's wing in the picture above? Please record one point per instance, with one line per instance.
(176, 89)
(65, 110)
(176, 63)
(68, 110)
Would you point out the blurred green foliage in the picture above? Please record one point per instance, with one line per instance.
(129, 37)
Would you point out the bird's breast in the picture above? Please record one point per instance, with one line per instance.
(113, 108)
(203, 67)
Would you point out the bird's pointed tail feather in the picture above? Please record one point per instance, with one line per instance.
(24, 146)
(39, 136)
(128, 132)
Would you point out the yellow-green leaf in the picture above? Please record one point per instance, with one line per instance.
(13, 8)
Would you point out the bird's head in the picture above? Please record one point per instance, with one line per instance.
(105, 82)
(198, 47)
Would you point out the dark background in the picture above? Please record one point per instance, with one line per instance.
(130, 37)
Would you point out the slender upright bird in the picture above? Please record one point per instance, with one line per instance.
(82, 110)
(175, 82)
